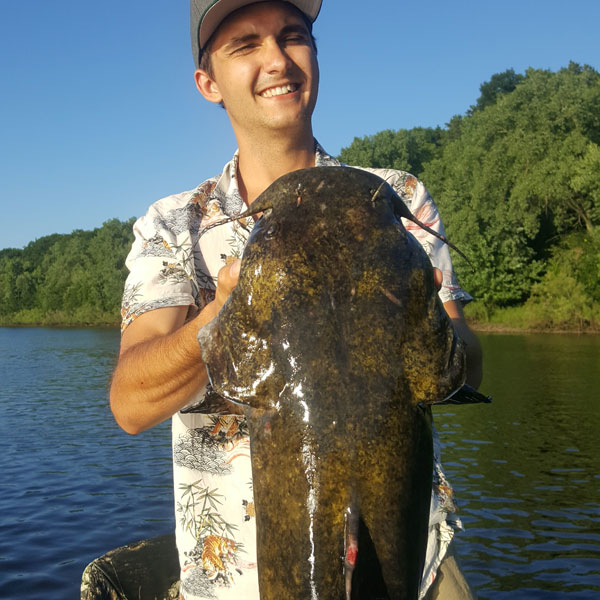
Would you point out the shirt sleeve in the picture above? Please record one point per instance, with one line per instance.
(422, 206)
(160, 263)
(425, 209)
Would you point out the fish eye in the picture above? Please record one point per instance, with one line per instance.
(271, 231)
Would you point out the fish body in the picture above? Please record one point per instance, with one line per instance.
(336, 343)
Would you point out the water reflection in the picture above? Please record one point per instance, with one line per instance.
(526, 470)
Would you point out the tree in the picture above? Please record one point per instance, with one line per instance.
(523, 161)
(499, 84)
(81, 273)
(405, 149)
(569, 293)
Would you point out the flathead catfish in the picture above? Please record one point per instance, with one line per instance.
(336, 343)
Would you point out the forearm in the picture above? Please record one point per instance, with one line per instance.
(156, 378)
(473, 347)
(473, 352)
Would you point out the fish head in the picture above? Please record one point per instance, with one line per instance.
(328, 272)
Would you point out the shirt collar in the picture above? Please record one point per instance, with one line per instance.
(322, 159)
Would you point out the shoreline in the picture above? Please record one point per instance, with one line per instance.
(476, 326)
(502, 328)
(54, 325)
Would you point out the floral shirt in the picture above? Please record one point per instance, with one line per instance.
(171, 265)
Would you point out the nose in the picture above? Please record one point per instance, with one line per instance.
(275, 59)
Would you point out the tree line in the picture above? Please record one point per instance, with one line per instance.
(516, 178)
(67, 279)
(517, 181)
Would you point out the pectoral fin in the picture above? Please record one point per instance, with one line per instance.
(466, 395)
(221, 371)
(242, 372)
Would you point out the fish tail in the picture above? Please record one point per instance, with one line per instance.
(350, 546)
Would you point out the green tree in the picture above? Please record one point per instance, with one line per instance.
(516, 175)
(107, 251)
(569, 293)
(499, 84)
(78, 275)
(405, 149)
(10, 270)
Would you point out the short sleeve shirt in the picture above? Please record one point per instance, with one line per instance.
(170, 264)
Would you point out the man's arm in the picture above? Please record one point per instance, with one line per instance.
(160, 364)
(474, 353)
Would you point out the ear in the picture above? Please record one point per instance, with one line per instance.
(207, 86)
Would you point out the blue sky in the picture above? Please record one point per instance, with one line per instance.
(99, 116)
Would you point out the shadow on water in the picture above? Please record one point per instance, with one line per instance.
(525, 469)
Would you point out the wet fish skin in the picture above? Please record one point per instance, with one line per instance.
(335, 341)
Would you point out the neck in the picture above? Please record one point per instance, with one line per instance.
(261, 163)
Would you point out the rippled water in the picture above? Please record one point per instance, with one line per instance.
(73, 484)
(525, 468)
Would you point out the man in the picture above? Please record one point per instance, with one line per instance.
(258, 60)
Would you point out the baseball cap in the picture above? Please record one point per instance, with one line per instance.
(207, 15)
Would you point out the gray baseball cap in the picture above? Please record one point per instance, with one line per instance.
(207, 15)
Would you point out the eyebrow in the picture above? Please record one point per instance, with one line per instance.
(252, 37)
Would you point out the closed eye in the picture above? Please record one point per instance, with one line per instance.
(296, 39)
(294, 34)
(242, 44)
(243, 49)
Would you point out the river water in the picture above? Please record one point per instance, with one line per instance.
(525, 469)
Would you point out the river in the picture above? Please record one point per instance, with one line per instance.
(525, 469)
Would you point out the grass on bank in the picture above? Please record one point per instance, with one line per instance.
(531, 316)
(534, 317)
(80, 317)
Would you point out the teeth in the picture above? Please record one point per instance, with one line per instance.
(278, 91)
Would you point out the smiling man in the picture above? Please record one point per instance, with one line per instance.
(259, 61)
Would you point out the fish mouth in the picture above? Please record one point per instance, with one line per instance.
(279, 90)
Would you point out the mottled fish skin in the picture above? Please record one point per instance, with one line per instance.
(335, 341)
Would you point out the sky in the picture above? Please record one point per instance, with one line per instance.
(100, 117)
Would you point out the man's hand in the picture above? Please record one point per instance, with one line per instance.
(474, 353)
(227, 279)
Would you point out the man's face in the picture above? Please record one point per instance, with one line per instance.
(264, 69)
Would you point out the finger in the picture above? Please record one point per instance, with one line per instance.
(234, 270)
(227, 279)
(438, 277)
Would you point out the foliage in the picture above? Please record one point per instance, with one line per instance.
(521, 173)
(568, 295)
(499, 84)
(66, 279)
(407, 150)
(515, 178)
(567, 298)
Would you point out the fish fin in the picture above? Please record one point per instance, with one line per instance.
(238, 371)
(465, 395)
(350, 547)
(221, 372)
(450, 371)
(366, 579)
(456, 366)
